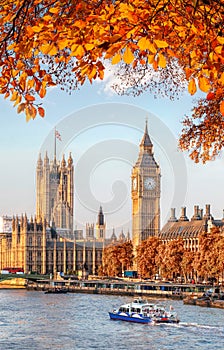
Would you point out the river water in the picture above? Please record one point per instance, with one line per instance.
(38, 321)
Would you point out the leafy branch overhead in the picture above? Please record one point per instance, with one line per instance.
(48, 42)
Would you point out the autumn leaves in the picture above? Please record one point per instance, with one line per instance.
(46, 43)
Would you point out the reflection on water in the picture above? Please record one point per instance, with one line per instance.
(37, 321)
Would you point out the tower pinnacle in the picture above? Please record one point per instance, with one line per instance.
(146, 143)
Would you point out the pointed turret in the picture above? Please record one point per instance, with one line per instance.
(100, 217)
(46, 159)
(39, 162)
(63, 162)
(146, 143)
(100, 226)
(70, 160)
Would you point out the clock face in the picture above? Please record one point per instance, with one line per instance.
(134, 183)
(149, 183)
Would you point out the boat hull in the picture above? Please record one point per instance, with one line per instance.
(128, 318)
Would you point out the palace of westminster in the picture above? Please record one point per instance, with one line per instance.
(47, 243)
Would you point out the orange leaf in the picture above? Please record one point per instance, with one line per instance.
(128, 56)
(210, 96)
(192, 88)
(222, 108)
(41, 112)
(21, 107)
(29, 97)
(42, 92)
(222, 78)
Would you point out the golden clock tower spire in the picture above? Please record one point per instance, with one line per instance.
(145, 193)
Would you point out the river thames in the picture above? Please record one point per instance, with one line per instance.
(38, 321)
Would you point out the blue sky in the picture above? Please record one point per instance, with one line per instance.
(103, 131)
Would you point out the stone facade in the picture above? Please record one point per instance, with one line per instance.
(145, 193)
(187, 229)
(37, 248)
(55, 192)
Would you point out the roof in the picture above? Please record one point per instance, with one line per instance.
(184, 229)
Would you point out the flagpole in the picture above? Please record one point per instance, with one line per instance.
(55, 144)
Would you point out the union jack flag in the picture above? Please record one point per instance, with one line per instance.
(57, 135)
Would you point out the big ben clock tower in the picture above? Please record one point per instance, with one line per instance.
(145, 193)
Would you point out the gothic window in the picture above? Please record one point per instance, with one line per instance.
(39, 241)
(30, 241)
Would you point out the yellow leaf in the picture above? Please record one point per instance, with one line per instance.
(18, 100)
(14, 96)
(31, 112)
(161, 61)
(222, 108)
(116, 59)
(53, 51)
(151, 58)
(145, 44)
(30, 83)
(128, 56)
(89, 46)
(204, 84)
(77, 50)
(192, 86)
(10, 47)
(160, 43)
(218, 49)
(220, 39)
(37, 29)
(62, 44)
(54, 10)
(45, 48)
(92, 73)
(47, 18)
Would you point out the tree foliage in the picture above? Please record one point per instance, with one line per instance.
(65, 43)
(117, 258)
(146, 257)
(209, 260)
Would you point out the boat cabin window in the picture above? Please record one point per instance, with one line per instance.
(135, 309)
(123, 309)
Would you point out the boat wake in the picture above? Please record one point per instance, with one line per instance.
(195, 325)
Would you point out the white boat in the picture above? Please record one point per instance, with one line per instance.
(141, 311)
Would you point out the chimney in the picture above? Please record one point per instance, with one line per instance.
(183, 216)
(201, 213)
(207, 212)
(172, 216)
(196, 215)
